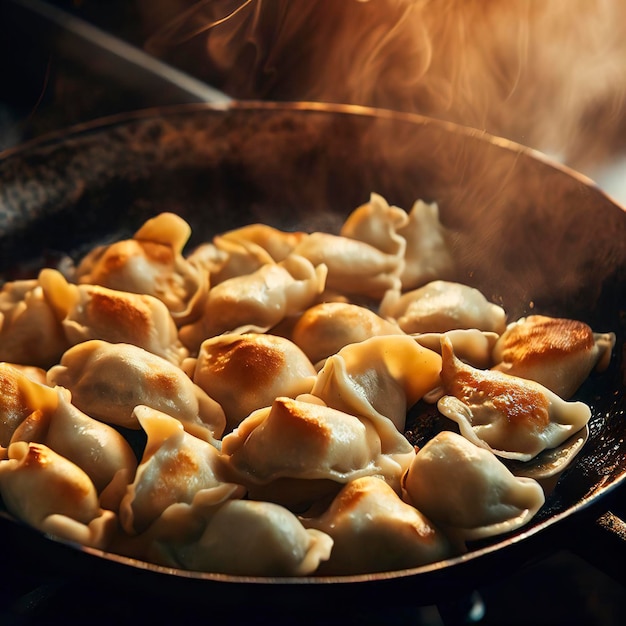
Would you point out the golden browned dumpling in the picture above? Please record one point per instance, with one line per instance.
(108, 380)
(94, 312)
(327, 327)
(176, 468)
(97, 448)
(245, 372)
(49, 492)
(150, 263)
(296, 452)
(558, 353)
(514, 417)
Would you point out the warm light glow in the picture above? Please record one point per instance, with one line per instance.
(550, 75)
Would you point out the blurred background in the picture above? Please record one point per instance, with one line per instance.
(549, 75)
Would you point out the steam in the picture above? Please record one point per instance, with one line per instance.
(551, 75)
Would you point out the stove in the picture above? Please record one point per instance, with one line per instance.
(43, 92)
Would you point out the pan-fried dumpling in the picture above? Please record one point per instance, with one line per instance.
(379, 378)
(325, 328)
(428, 255)
(246, 538)
(175, 467)
(296, 452)
(440, 306)
(49, 492)
(226, 259)
(418, 236)
(94, 312)
(377, 223)
(513, 417)
(354, 267)
(98, 449)
(257, 301)
(373, 530)
(279, 244)
(558, 353)
(19, 397)
(108, 380)
(243, 250)
(30, 332)
(467, 491)
(150, 263)
(245, 372)
(470, 344)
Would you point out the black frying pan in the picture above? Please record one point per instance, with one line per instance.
(533, 236)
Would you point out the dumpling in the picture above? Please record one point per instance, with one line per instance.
(94, 312)
(244, 250)
(418, 237)
(373, 530)
(354, 267)
(325, 328)
(150, 263)
(30, 333)
(558, 353)
(49, 492)
(245, 372)
(257, 301)
(513, 417)
(175, 467)
(440, 306)
(380, 378)
(296, 452)
(377, 223)
(226, 259)
(108, 380)
(467, 491)
(98, 449)
(247, 538)
(19, 397)
(279, 244)
(470, 344)
(428, 253)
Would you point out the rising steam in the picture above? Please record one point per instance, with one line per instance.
(549, 74)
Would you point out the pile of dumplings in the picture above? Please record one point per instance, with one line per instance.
(241, 408)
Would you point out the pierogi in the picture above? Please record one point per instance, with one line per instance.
(243, 408)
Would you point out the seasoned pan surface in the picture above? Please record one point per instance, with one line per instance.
(533, 236)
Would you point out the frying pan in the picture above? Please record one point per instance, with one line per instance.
(533, 236)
